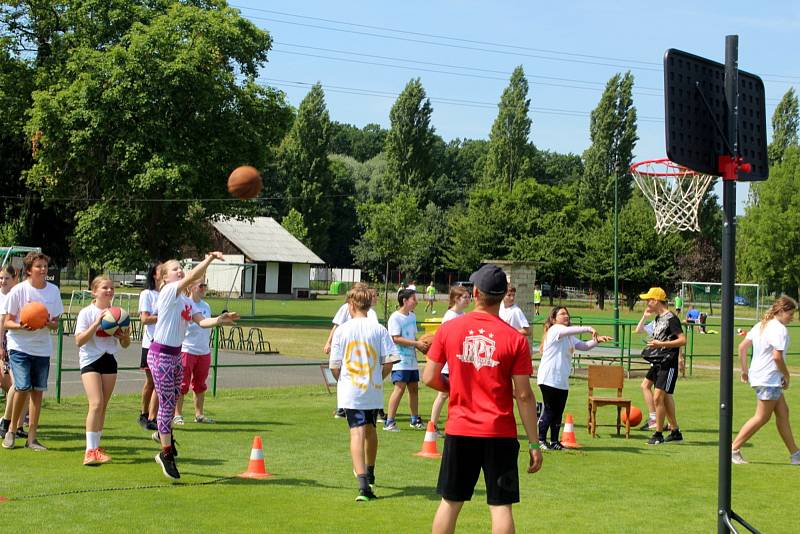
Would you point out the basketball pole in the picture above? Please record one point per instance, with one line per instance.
(729, 168)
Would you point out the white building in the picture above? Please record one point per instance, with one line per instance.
(281, 263)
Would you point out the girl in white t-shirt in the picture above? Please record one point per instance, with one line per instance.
(558, 344)
(98, 364)
(8, 278)
(459, 300)
(174, 311)
(511, 313)
(148, 318)
(195, 357)
(769, 376)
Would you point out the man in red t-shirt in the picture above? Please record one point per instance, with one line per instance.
(490, 365)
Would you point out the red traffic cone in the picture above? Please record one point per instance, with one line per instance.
(568, 436)
(429, 449)
(256, 468)
(4, 499)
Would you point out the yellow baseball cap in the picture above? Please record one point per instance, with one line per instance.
(655, 293)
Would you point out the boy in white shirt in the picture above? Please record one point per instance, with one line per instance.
(29, 350)
(362, 353)
(512, 314)
(405, 374)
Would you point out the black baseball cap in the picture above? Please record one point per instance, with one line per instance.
(490, 279)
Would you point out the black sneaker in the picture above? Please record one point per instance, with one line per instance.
(21, 433)
(657, 439)
(167, 463)
(143, 421)
(151, 425)
(675, 436)
(340, 414)
(543, 445)
(366, 496)
(556, 446)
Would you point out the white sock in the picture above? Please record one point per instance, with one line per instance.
(92, 440)
(652, 416)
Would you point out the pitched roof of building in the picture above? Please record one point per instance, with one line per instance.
(263, 239)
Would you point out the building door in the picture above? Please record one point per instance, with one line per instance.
(261, 277)
(284, 278)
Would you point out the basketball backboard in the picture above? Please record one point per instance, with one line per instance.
(696, 115)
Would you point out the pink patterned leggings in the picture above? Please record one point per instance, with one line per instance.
(165, 365)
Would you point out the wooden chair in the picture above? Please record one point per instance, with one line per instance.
(608, 377)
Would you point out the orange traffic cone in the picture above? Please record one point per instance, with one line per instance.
(4, 499)
(256, 468)
(429, 449)
(568, 436)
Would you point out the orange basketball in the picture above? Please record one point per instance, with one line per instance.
(426, 338)
(636, 416)
(245, 182)
(34, 315)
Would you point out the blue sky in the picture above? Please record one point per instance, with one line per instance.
(464, 51)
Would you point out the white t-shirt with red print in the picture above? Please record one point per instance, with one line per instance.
(174, 313)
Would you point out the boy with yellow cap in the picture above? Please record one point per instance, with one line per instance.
(666, 339)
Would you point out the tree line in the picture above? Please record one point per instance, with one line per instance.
(120, 120)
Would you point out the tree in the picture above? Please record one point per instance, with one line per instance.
(304, 169)
(554, 168)
(362, 144)
(785, 123)
(137, 122)
(508, 159)
(293, 223)
(409, 145)
(613, 133)
(769, 235)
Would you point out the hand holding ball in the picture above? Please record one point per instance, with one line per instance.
(113, 320)
(245, 182)
(34, 315)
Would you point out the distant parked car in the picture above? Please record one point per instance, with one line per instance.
(740, 301)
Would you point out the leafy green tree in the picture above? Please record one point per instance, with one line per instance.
(293, 223)
(769, 236)
(362, 144)
(785, 123)
(554, 168)
(409, 145)
(613, 133)
(304, 169)
(508, 156)
(136, 123)
(344, 224)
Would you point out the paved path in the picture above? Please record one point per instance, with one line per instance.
(237, 377)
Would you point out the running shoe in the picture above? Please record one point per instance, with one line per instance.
(674, 436)
(737, 458)
(8, 440)
(656, 439)
(178, 420)
(204, 419)
(417, 424)
(339, 413)
(168, 466)
(794, 459)
(543, 445)
(151, 425)
(21, 433)
(101, 455)
(556, 446)
(438, 432)
(366, 496)
(35, 446)
(648, 425)
(143, 421)
(391, 426)
(90, 458)
(381, 417)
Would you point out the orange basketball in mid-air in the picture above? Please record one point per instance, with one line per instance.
(245, 182)
(34, 315)
(636, 416)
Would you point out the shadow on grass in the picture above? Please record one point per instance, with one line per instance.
(277, 480)
(428, 492)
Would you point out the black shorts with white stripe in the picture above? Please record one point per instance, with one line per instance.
(664, 377)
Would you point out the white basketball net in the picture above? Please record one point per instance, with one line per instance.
(674, 192)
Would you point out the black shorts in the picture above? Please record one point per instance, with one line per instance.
(105, 365)
(357, 418)
(462, 461)
(143, 362)
(664, 377)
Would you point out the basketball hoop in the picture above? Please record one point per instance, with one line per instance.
(674, 192)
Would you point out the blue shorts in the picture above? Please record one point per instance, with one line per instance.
(30, 372)
(357, 418)
(405, 376)
(767, 393)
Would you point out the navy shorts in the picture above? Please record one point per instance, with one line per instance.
(357, 418)
(405, 376)
(30, 372)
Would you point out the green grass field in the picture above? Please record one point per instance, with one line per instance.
(610, 485)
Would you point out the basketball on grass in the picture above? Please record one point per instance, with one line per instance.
(636, 416)
(245, 182)
(113, 319)
(34, 315)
